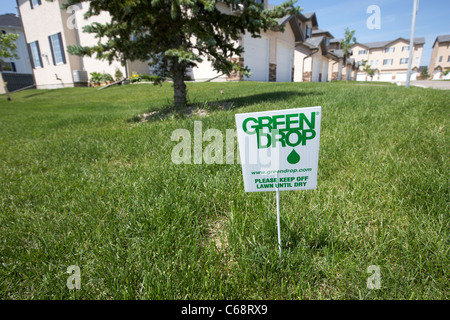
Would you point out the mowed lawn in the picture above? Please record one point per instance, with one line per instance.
(82, 183)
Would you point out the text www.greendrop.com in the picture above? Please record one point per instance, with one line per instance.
(281, 171)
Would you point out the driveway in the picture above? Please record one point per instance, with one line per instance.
(444, 85)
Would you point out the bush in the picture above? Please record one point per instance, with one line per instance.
(98, 78)
(135, 78)
(118, 75)
(107, 77)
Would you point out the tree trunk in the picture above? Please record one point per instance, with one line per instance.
(179, 86)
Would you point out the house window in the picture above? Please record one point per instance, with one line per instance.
(57, 48)
(448, 60)
(327, 41)
(387, 62)
(308, 32)
(404, 60)
(376, 62)
(405, 48)
(35, 3)
(389, 50)
(3, 32)
(371, 62)
(417, 60)
(36, 55)
(362, 52)
(441, 58)
(8, 66)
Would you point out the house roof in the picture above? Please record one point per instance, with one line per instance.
(442, 39)
(445, 38)
(382, 44)
(315, 42)
(338, 53)
(320, 31)
(292, 20)
(311, 16)
(10, 20)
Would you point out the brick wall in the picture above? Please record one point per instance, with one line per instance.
(237, 76)
(272, 72)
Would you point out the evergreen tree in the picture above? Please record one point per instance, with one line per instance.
(176, 35)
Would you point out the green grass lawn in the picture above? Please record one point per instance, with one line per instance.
(83, 184)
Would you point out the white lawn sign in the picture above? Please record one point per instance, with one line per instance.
(279, 150)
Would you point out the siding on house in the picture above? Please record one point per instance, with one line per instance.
(48, 19)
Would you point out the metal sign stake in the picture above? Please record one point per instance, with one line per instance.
(278, 220)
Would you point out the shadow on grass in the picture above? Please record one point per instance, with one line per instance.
(206, 107)
(37, 94)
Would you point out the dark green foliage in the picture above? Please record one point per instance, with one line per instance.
(175, 35)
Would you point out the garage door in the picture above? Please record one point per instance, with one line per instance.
(414, 76)
(401, 76)
(386, 77)
(437, 75)
(316, 69)
(376, 76)
(256, 57)
(361, 76)
(447, 77)
(284, 63)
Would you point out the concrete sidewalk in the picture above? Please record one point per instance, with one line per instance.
(436, 84)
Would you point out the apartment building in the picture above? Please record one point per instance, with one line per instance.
(49, 30)
(389, 59)
(440, 58)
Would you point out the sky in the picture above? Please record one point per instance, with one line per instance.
(433, 19)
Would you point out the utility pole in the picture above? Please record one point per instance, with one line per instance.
(411, 43)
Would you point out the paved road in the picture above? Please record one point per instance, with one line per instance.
(444, 85)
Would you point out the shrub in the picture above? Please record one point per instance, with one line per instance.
(96, 77)
(107, 77)
(118, 75)
(135, 78)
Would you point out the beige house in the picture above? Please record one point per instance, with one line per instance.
(314, 59)
(440, 58)
(389, 59)
(300, 53)
(49, 30)
(269, 58)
